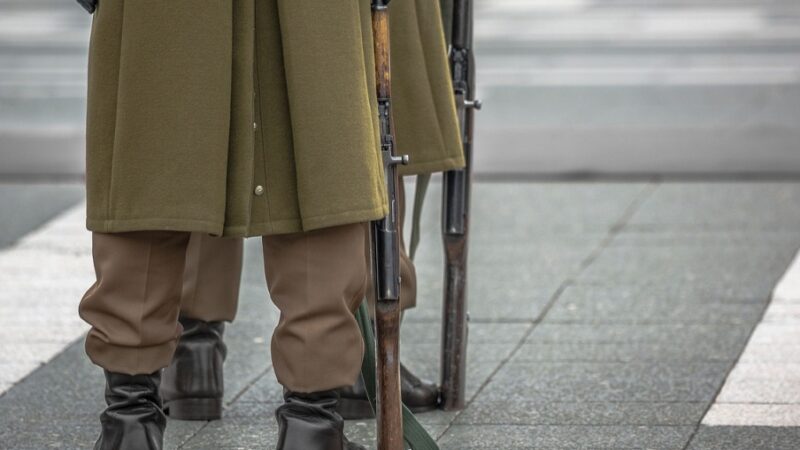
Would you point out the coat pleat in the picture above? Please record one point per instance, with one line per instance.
(254, 117)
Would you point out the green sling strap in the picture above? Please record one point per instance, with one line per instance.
(413, 433)
(419, 200)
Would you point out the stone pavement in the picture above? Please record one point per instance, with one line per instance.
(603, 316)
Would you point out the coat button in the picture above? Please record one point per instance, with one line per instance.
(259, 190)
(255, 126)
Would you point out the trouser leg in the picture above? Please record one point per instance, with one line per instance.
(317, 280)
(408, 273)
(133, 306)
(212, 278)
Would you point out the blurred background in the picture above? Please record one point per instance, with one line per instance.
(571, 87)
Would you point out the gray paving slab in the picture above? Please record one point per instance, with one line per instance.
(516, 212)
(32, 205)
(535, 412)
(606, 381)
(677, 345)
(637, 304)
(669, 236)
(482, 361)
(69, 383)
(506, 292)
(510, 210)
(721, 206)
(628, 352)
(261, 432)
(675, 333)
(754, 270)
(511, 296)
(746, 438)
(414, 333)
(550, 437)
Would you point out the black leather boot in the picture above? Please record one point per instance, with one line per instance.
(192, 385)
(418, 395)
(133, 419)
(310, 422)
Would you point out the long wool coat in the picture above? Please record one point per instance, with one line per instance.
(254, 117)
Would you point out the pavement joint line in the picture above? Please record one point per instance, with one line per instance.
(247, 387)
(229, 404)
(192, 436)
(646, 192)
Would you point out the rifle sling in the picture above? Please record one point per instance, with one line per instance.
(419, 201)
(416, 437)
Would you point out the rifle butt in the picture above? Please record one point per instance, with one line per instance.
(390, 425)
(454, 324)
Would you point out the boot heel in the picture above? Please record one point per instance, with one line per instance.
(194, 409)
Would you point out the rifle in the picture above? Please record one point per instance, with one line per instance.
(89, 5)
(455, 213)
(386, 250)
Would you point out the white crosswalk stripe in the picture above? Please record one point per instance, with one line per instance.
(44, 276)
(764, 387)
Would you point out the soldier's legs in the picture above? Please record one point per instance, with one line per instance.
(211, 278)
(317, 279)
(133, 310)
(193, 386)
(418, 394)
(133, 307)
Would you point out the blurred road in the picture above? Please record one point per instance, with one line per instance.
(621, 86)
(43, 46)
(570, 86)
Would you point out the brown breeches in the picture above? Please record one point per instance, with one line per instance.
(144, 279)
(213, 271)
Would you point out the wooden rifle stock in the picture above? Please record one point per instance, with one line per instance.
(386, 251)
(455, 215)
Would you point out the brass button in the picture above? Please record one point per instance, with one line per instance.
(255, 126)
(259, 190)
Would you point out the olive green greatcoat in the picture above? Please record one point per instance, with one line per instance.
(254, 117)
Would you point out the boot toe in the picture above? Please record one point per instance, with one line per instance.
(418, 394)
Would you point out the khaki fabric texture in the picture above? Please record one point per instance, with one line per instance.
(133, 306)
(244, 117)
(426, 125)
(212, 278)
(214, 271)
(316, 279)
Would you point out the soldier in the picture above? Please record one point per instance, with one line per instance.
(242, 118)
(192, 386)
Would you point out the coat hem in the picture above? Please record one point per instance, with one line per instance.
(439, 165)
(128, 225)
(258, 229)
(349, 217)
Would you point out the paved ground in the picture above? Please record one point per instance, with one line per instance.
(578, 86)
(603, 316)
